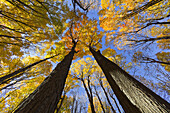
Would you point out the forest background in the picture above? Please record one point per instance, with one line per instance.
(134, 34)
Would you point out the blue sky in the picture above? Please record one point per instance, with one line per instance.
(128, 57)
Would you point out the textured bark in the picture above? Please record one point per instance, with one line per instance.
(132, 95)
(45, 98)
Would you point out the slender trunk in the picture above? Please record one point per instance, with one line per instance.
(115, 103)
(99, 99)
(91, 94)
(141, 8)
(80, 108)
(90, 97)
(45, 98)
(76, 106)
(13, 83)
(132, 95)
(10, 76)
(107, 97)
(72, 108)
(62, 99)
(150, 60)
(150, 39)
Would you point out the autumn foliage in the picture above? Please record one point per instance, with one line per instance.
(134, 34)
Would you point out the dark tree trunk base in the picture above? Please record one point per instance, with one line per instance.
(46, 97)
(132, 95)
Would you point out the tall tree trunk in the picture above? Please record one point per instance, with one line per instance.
(107, 97)
(80, 109)
(11, 76)
(72, 108)
(61, 102)
(45, 98)
(132, 95)
(115, 102)
(100, 101)
(76, 106)
(89, 95)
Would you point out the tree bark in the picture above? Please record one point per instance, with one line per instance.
(132, 95)
(45, 98)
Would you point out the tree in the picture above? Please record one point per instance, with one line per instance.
(101, 84)
(131, 94)
(83, 73)
(47, 95)
(133, 34)
(70, 84)
(11, 75)
(97, 94)
(25, 24)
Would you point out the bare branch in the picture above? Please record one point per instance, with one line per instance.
(8, 77)
(140, 9)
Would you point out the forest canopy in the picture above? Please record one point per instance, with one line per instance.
(36, 35)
